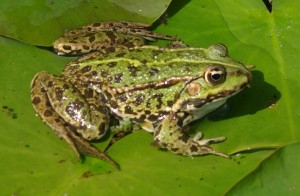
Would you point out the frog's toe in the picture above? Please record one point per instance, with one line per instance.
(220, 154)
(207, 142)
(198, 136)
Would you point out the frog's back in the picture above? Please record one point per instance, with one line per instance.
(138, 66)
(141, 83)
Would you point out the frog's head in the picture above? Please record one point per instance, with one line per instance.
(220, 78)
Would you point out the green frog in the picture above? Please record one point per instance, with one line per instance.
(160, 89)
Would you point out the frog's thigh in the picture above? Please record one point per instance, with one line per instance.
(43, 108)
(89, 120)
(169, 135)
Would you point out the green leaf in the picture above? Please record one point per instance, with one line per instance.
(41, 22)
(276, 175)
(36, 162)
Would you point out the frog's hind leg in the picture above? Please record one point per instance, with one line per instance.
(45, 111)
(169, 135)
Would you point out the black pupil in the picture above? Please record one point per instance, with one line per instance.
(216, 76)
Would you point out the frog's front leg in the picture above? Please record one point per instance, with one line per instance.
(66, 111)
(169, 135)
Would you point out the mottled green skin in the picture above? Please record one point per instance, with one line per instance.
(162, 75)
(160, 89)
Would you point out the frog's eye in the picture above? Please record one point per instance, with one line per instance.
(218, 50)
(215, 75)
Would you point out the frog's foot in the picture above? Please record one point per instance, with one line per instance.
(81, 146)
(168, 135)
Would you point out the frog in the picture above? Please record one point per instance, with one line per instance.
(120, 76)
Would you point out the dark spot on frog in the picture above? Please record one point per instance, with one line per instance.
(152, 118)
(158, 97)
(181, 119)
(183, 138)
(129, 110)
(147, 112)
(141, 119)
(85, 47)
(102, 129)
(48, 104)
(36, 100)
(94, 74)
(50, 84)
(104, 73)
(87, 35)
(133, 70)
(153, 71)
(164, 145)
(48, 113)
(73, 108)
(139, 99)
(129, 44)
(89, 28)
(59, 93)
(97, 24)
(118, 77)
(155, 143)
(194, 148)
(110, 35)
(67, 47)
(174, 149)
(43, 90)
(113, 104)
(111, 64)
(86, 69)
(110, 50)
(103, 109)
(88, 93)
(72, 67)
(66, 86)
(91, 38)
(121, 96)
(170, 103)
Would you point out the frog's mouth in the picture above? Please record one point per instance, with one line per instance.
(197, 103)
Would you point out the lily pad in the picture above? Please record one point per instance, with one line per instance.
(263, 179)
(36, 162)
(41, 22)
